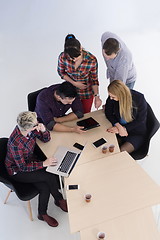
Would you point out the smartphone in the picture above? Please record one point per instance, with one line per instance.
(99, 142)
(79, 146)
(72, 187)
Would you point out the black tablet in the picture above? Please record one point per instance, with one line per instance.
(88, 123)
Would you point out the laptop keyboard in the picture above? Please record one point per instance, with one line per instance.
(66, 162)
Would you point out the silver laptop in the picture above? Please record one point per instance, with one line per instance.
(66, 160)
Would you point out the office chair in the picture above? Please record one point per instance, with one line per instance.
(24, 191)
(31, 98)
(152, 127)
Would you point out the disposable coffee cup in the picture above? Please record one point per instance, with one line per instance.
(88, 197)
(104, 149)
(101, 235)
(111, 148)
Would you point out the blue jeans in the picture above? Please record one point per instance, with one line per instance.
(130, 85)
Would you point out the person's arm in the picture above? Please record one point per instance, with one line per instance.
(68, 79)
(69, 117)
(44, 106)
(18, 156)
(63, 73)
(42, 133)
(122, 131)
(122, 70)
(140, 113)
(61, 67)
(62, 128)
(97, 100)
(95, 83)
(113, 130)
(79, 85)
(111, 111)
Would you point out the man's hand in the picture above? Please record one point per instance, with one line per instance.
(58, 119)
(40, 127)
(50, 162)
(78, 129)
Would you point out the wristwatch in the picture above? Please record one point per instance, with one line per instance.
(97, 95)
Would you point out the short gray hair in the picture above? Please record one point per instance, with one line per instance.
(26, 120)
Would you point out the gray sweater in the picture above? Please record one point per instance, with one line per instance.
(122, 66)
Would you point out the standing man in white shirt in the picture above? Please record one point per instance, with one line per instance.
(118, 59)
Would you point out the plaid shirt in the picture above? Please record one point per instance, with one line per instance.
(86, 72)
(20, 156)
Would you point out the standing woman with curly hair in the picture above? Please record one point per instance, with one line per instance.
(80, 68)
(126, 109)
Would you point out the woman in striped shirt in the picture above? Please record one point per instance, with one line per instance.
(80, 68)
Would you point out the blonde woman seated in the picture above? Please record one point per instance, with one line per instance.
(127, 111)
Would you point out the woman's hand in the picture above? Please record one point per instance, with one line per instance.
(80, 85)
(97, 102)
(121, 130)
(50, 162)
(103, 108)
(113, 130)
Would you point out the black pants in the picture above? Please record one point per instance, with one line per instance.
(45, 182)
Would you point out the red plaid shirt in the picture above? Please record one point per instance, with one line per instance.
(20, 157)
(86, 72)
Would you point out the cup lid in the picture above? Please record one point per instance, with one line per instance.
(88, 195)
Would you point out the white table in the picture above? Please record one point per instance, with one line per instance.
(118, 186)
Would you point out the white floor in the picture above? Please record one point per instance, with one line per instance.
(14, 220)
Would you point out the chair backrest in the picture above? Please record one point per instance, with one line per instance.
(31, 98)
(152, 122)
(152, 127)
(25, 191)
(4, 177)
(3, 151)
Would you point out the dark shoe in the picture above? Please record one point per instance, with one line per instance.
(62, 204)
(51, 221)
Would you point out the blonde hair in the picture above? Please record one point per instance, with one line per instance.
(122, 92)
(26, 120)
